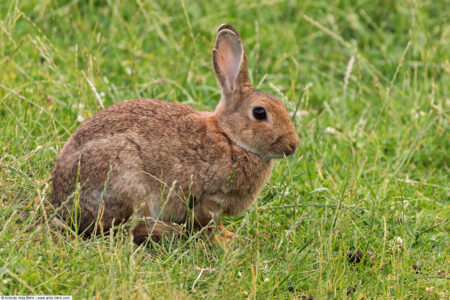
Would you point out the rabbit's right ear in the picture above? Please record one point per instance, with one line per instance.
(229, 61)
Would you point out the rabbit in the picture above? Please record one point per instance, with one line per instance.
(166, 164)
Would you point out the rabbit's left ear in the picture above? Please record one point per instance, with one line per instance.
(229, 60)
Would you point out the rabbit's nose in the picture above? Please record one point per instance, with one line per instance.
(293, 145)
(291, 150)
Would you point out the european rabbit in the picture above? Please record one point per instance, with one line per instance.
(163, 161)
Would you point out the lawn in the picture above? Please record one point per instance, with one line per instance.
(368, 87)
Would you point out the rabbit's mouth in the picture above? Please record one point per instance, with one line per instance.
(285, 151)
(280, 155)
(283, 147)
(291, 149)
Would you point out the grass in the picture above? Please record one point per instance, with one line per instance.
(368, 82)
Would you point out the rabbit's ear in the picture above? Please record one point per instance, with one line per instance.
(229, 61)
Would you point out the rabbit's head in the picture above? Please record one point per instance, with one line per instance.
(252, 119)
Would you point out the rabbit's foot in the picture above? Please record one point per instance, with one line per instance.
(155, 229)
(225, 237)
(226, 234)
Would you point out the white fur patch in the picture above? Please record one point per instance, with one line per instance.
(248, 148)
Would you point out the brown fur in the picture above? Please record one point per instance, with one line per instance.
(158, 159)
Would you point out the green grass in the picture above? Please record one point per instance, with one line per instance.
(370, 83)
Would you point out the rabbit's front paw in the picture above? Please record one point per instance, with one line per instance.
(225, 234)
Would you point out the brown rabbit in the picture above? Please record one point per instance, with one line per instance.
(165, 162)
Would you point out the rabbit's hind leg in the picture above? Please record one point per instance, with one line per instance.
(149, 227)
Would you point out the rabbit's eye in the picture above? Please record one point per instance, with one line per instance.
(259, 113)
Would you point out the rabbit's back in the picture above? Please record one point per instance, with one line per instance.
(143, 116)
